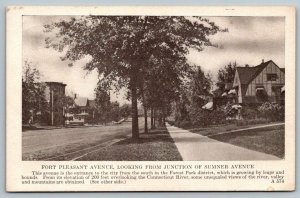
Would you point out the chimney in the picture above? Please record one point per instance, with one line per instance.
(75, 96)
(262, 61)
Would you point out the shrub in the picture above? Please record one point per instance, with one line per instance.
(249, 113)
(272, 111)
(172, 123)
(186, 124)
(202, 118)
(229, 111)
(242, 122)
(217, 117)
(176, 123)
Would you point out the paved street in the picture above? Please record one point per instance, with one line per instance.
(71, 143)
(74, 143)
(195, 147)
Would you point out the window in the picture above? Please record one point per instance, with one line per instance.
(271, 77)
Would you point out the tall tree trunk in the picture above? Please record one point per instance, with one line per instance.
(160, 118)
(154, 117)
(146, 119)
(134, 113)
(145, 114)
(163, 117)
(151, 112)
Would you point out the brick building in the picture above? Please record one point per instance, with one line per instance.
(54, 94)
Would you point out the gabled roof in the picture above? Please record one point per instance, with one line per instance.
(81, 101)
(247, 74)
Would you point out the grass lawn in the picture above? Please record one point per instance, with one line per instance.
(217, 129)
(157, 145)
(267, 140)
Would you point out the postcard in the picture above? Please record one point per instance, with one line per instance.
(150, 98)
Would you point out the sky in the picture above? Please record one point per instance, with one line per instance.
(248, 41)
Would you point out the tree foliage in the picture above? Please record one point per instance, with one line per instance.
(194, 93)
(106, 109)
(102, 100)
(133, 51)
(199, 87)
(125, 110)
(33, 99)
(225, 75)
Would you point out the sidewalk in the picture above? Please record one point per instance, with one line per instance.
(195, 147)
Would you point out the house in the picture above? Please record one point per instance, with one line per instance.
(83, 110)
(80, 104)
(84, 104)
(258, 84)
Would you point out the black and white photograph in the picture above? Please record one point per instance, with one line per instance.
(153, 88)
(150, 98)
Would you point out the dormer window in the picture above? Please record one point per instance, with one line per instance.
(271, 77)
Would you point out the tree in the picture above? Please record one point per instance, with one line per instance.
(194, 93)
(125, 110)
(33, 99)
(114, 112)
(182, 106)
(119, 47)
(66, 102)
(200, 85)
(161, 86)
(199, 93)
(102, 101)
(225, 75)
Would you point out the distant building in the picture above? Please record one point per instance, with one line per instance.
(83, 111)
(80, 104)
(262, 83)
(54, 94)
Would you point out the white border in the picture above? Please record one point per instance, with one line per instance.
(14, 163)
